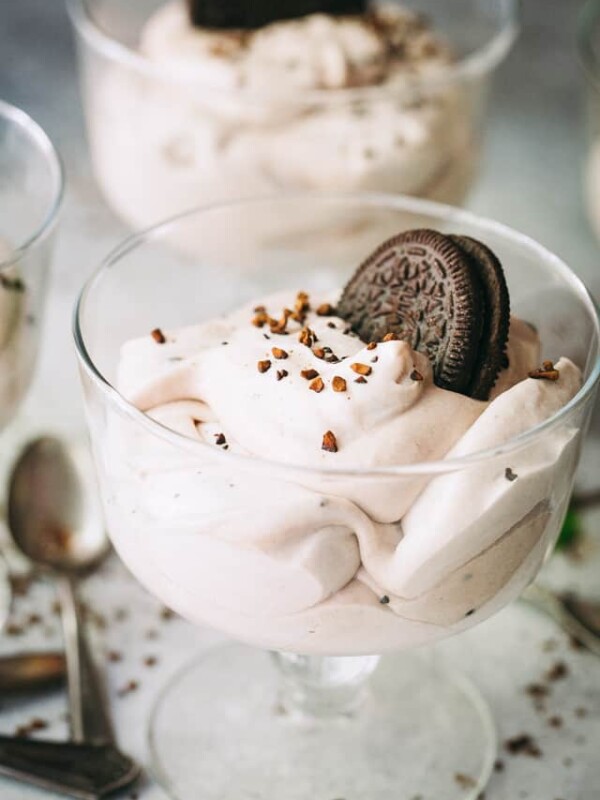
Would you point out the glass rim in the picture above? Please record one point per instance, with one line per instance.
(483, 59)
(449, 214)
(42, 141)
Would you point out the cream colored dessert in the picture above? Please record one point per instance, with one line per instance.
(318, 103)
(15, 341)
(293, 526)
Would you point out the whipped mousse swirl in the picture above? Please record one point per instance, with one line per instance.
(314, 560)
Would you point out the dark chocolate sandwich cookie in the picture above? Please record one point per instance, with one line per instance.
(249, 14)
(445, 295)
(496, 320)
(421, 286)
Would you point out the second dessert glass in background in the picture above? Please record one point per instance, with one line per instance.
(237, 541)
(31, 192)
(163, 139)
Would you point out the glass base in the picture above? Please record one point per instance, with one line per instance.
(223, 728)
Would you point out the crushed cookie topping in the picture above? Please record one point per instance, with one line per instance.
(282, 373)
(361, 380)
(415, 375)
(309, 374)
(510, 475)
(371, 345)
(307, 337)
(329, 442)
(547, 372)
(361, 369)
(260, 318)
(264, 366)
(319, 352)
(332, 325)
(338, 384)
(279, 353)
(390, 337)
(317, 385)
(220, 438)
(325, 310)
(302, 304)
(280, 326)
(158, 336)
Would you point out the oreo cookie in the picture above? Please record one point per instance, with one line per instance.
(251, 14)
(445, 295)
(496, 321)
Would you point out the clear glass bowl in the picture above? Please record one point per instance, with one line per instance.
(31, 191)
(589, 52)
(161, 145)
(187, 518)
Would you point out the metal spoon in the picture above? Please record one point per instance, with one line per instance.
(580, 618)
(31, 672)
(55, 520)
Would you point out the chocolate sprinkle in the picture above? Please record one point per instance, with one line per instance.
(158, 336)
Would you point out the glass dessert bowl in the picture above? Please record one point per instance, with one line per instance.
(31, 190)
(179, 117)
(274, 476)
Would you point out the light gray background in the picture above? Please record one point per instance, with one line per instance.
(531, 181)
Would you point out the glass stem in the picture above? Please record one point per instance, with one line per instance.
(324, 686)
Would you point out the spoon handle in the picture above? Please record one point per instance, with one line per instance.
(90, 722)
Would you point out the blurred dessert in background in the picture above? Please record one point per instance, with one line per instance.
(375, 100)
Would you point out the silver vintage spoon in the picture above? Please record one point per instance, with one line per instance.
(55, 521)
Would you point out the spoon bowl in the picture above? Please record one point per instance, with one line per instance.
(53, 511)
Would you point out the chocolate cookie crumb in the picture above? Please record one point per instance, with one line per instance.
(464, 781)
(279, 353)
(158, 336)
(329, 442)
(282, 373)
(415, 375)
(264, 366)
(546, 372)
(361, 369)
(338, 384)
(557, 672)
(325, 310)
(317, 385)
(523, 744)
(309, 374)
(128, 688)
(384, 600)
(510, 475)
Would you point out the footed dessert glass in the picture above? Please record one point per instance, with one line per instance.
(31, 191)
(163, 140)
(324, 716)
